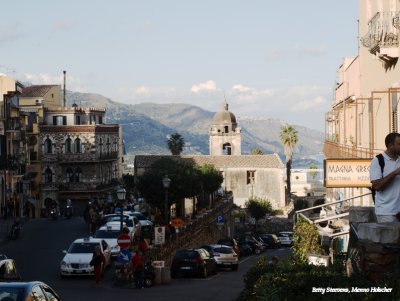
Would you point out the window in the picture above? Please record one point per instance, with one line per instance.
(70, 175)
(59, 120)
(227, 149)
(48, 146)
(78, 120)
(226, 129)
(251, 176)
(78, 174)
(78, 145)
(68, 146)
(48, 175)
(37, 294)
(108, 145)
(101, 146)
(100, 119)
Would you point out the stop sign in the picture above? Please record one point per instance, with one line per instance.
(124, 241)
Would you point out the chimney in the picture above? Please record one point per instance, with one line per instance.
(65, 85)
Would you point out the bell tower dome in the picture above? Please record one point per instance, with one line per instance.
(225, 136)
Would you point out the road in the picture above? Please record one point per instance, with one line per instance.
(39, 251)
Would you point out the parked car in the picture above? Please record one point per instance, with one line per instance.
(232, 243)
(110, 233)
(271, 240)
(8, 270)
(77, 259)
(126, 219)
(256, 247)
(286, 238)
(245, 248)
(146, 226)
(225, 256)
(193, 262)
(35, 290)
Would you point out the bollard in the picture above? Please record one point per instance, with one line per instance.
(157, 274)
(166, 275)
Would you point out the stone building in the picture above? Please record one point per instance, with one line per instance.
(81, 157)
(246, 176)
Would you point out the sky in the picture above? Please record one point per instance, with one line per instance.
(268, 58)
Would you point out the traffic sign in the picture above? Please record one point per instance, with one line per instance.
(124, 241)
(220, 219)
(124, 256)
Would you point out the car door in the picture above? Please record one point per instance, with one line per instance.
(106, 251)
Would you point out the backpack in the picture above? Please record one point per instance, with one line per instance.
(381, 161)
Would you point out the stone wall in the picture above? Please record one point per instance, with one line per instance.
(374, 248)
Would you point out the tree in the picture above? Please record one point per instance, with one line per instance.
(258, 208)
(176, 143)
(257, 151)
(313, 173)
(289, 138)
(184, 182)
(210, 180)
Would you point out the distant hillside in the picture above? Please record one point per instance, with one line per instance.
(145, 128)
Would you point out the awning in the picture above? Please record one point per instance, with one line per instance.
(28, 110)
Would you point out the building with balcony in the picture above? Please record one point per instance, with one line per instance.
(365, 107)
(80, 155)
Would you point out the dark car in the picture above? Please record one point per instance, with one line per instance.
(271, 240)
(35, 290)
(8, 270)
(245, 248)
(193, 262)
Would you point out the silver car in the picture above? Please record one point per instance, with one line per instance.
(225, 256)
(286, 238)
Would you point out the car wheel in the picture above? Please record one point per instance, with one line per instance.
(235, 267)
(148, 282)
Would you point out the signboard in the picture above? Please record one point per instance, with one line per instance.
(124, 241)
(346, 173)
(124, 256)
(220, 220)
(177, 223)
(159, 235)
(158, 264)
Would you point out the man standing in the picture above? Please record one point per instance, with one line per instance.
(387, 183)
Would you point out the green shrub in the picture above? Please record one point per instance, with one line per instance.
(305, 240)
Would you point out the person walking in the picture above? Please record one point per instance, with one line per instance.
(385, 180)
(98, 262)
(138, 269)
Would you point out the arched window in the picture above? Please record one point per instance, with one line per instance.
(68, 146)
(78, 146)
(78, 175)
(48, 175)
(227, 149)
(48, 146)
(70, 175)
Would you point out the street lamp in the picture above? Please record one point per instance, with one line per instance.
(166, 183)
(121, 192)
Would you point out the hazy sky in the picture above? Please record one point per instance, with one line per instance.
(272, 59)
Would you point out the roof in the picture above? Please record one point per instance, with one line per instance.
(219, 162)
(224, 116)
(36, 90)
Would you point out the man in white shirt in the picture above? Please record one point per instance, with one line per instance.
(387, 184)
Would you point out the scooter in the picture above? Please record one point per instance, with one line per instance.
(15, 230)
(54, 213)
(68, 212)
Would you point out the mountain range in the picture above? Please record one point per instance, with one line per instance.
(147, 126)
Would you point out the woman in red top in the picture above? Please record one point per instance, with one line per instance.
(137, 265)
(98, 262)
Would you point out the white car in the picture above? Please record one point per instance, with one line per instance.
(286, 238)
(110, 233)
(146, 226)
(77, 259)
(225, 256)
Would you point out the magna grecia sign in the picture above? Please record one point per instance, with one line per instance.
(346, 173)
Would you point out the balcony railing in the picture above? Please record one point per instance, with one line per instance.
(340, 151)
(77, 186)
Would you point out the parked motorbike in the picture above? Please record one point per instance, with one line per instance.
(148, 275)
(15, 230)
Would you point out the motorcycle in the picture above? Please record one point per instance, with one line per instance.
(68, 212)
(54, 213)
(148, 275)
(15, 230)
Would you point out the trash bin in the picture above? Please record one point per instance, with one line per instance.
(157, 275)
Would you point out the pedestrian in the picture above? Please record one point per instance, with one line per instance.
(138, 268)
(98, 262)
(386, 180)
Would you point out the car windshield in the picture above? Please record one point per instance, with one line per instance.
(106, 234)
(14, 293)
(82, 247)
(223, 250)
(186, 255)
(126, 220)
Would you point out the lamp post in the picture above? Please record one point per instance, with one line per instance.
(121, 192)
(166, 183)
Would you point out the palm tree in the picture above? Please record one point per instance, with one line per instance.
(289, 139)
(257, 151)
(176, 143)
